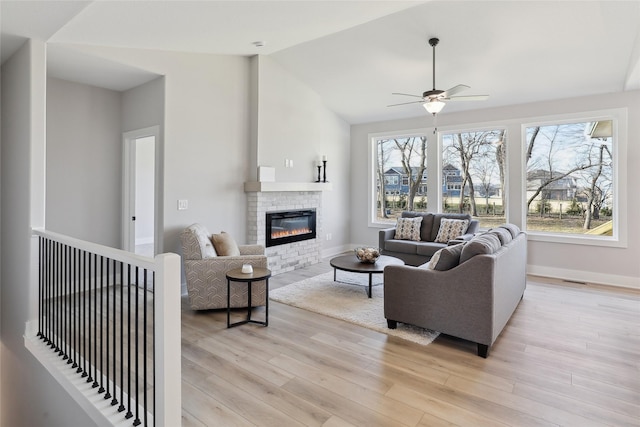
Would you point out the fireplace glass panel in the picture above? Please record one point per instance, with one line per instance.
(290, 226)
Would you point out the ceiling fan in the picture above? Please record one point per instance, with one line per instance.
(433, 100)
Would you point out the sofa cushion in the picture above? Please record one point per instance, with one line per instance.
(402, 246)
(446, 258)
(408, 229)
(450, 229)
(225, 244)
(513, 229)
(502, 234)
(428, 249)
(427, 223)
(486, 243)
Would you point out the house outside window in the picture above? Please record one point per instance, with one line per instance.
(570, 186)
(401, 163)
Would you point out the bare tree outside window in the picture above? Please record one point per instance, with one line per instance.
(401, 170)
(570, 178)
(473, 165)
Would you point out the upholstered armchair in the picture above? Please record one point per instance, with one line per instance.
(205, 271)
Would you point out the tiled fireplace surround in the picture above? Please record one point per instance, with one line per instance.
(290, 256)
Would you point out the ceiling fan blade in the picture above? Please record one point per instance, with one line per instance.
(469, 98)
(452, 91)
(407, 94)
(405, 103)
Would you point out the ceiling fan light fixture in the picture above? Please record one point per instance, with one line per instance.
(433, 106)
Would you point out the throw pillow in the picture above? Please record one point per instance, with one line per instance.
(450, 229)
(408, 229)
(484, 244)
(446, 258)
(225, 245)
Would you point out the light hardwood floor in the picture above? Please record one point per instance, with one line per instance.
(569, 356)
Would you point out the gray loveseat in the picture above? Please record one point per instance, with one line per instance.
(418, 252)
(468, 290)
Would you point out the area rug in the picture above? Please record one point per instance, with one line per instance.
(347, 300)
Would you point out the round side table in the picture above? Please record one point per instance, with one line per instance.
(257, 275)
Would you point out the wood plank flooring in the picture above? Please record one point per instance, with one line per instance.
(570, 356)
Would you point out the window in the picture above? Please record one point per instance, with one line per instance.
(474, 174)
(570, 178)
(400, 162)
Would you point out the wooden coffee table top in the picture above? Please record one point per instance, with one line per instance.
(259, 273)
(351, 263)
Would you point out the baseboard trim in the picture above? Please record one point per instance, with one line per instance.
(585, 276)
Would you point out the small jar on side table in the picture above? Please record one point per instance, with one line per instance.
(258, 274)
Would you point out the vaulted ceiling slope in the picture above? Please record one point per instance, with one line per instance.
(356, 53)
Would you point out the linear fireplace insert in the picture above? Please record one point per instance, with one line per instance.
(290, 226)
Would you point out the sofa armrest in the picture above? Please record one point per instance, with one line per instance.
(458, 302)
(251, 249)
(384, 235)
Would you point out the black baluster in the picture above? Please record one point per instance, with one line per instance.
(144, 348)
(76, 329)
(95, 321)
(129, 414)
(121, 407)
(40, 284)
(101, 389)
(114, 401)
(65, 303)
(107, 394)
(85, 319)
(137, 326)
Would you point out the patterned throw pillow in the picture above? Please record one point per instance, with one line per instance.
(450, 229)
(408, 228)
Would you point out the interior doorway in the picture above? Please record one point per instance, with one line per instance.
(140, 186)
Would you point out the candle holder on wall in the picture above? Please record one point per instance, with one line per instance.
(319, 167)
(324, 172)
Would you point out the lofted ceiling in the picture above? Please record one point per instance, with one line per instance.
(354, 54)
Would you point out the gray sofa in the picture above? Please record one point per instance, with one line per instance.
(418, 252)
(469, 290)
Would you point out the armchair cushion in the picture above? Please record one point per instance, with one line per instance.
(196, 243)
(225, 245)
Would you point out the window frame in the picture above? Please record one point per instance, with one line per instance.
(373, 162)
(516, 170)
(619, 119)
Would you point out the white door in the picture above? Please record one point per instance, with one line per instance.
(139, 201)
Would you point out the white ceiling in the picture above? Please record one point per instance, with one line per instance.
(356, 53)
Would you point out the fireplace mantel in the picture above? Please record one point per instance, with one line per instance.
(267, 186)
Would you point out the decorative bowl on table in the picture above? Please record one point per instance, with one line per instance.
(367, 255)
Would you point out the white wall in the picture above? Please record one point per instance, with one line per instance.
(617, 266)
(294, 123)
(30, 397)
(84, 162)
(208, 152)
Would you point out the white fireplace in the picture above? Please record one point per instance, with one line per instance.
(264, 197)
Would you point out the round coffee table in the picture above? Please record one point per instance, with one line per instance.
(352, 264)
